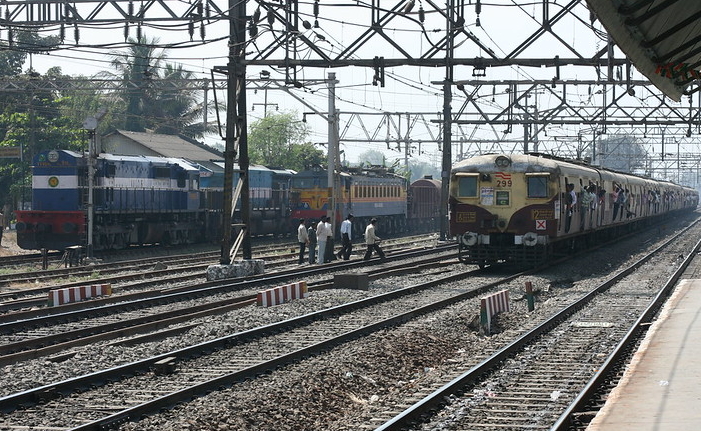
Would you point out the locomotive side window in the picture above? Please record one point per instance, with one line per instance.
(538, 186)
(181, 179)
(161, 172)
(467, 186)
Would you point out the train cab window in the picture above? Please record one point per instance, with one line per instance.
(537, 186)
(161, 172)
(110, 170)
(467, 186)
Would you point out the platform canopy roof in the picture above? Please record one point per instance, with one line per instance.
(661, 37)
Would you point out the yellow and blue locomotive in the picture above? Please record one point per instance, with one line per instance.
(365, 192)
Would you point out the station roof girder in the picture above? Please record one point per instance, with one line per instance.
(661, 37)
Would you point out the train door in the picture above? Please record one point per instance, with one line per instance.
(567, 208)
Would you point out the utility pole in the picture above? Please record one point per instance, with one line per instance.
(332, 155)
(90, 124)
(447, 124)
(236, 134)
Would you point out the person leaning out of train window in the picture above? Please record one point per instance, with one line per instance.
(321, 236)
(571, 199)
(593, 204)
(571, 202)
(372, 241)
(623, 202)
(311, 233)
(617, 197)
(302, 238)
(586, 199)
(346, 234)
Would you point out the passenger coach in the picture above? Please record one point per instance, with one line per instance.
(515, 208)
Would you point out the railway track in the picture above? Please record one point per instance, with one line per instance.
(179, 270)
(34, 334)
(224, 360)
(546, 378)
(354, 321)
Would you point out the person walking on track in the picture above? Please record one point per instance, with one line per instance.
(372, 241)
(346, 235)
(311, 233)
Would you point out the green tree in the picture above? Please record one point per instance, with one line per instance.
(137, 67)
(31, 119)
(153, 95)
(279, 140)
(36, 127)
(178, 108)
(15, 49)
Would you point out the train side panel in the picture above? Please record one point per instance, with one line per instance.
(364, 193)
(518, 208)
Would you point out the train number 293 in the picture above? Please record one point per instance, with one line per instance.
(503, 183)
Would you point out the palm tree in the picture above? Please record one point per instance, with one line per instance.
(178, 108)
(137, 68)
(154, 94)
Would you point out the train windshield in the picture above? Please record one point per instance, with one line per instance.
(537, 186)
(467, 186)
(308, 182)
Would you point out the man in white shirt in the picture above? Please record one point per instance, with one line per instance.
(321, 235)
(372, 241)
(302, 238)
(346, 235)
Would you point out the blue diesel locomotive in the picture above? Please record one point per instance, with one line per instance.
(136, 200)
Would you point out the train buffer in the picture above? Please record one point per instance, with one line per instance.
(73, 256)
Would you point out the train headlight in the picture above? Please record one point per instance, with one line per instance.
(503, 162)
(469, 239)
(530, 239)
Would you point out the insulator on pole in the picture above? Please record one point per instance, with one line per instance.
(191, 29)
(202, 31)
(126, 31)
(271, 17)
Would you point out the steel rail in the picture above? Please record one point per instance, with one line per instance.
(424, 408)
